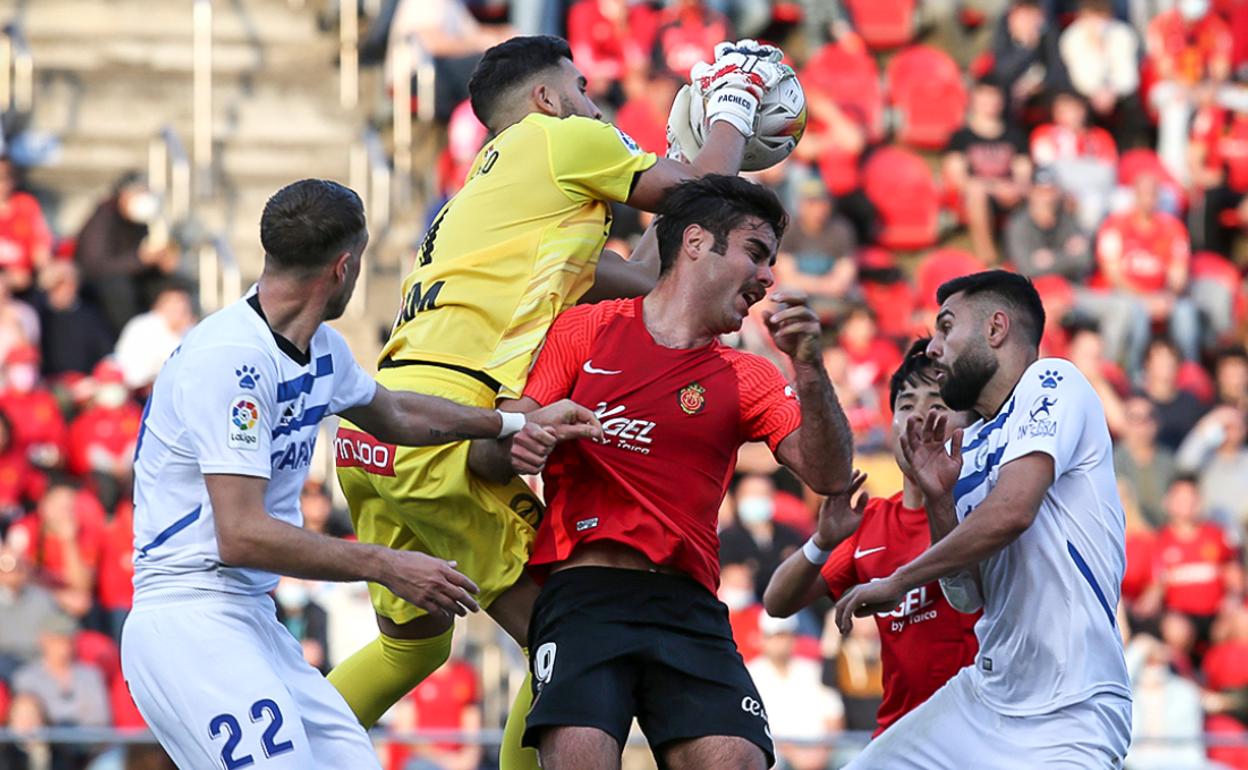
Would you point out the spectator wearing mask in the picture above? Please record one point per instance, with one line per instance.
(1142, 254)
(1177, 409)
(72, 694)
(103, 436)
(25, 240)
(688, 32)
(125, 252)
(150, 338)
(1200, 569)
(1101, 55)
(987, 167)
(758, 537)
(1215, 450)
(799, 705)
(38, 427)
(75, 334)
(816, 254)
(1025, 55)
(1144, 465)
(1166, 716)
(1083, 157)
(306, 620)
(1043, 237)
(24, 607)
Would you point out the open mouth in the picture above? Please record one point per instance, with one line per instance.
(752, 296)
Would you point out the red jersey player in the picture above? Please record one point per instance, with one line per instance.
(627, 623)
(924, 640)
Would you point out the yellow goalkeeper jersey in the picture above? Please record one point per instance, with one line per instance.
(515, 247)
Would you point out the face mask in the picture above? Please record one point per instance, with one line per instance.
(142, 207)
(736, 598)
(755, 510)
(292, 596)
(22, 378)
(1193, 10)
(112, 395)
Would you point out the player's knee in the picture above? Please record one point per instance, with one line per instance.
(572, 748)
(719, 751)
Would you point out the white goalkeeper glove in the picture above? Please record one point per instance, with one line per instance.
(733, 85)
(682, 143)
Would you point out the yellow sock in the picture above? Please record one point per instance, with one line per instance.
(511, 755)
(379, 675)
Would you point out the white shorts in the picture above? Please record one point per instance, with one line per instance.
(224, 685)
(954, 729)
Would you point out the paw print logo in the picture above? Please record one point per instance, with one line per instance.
(1049, 379)
(247, 377)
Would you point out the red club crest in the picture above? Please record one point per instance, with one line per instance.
(692, 399)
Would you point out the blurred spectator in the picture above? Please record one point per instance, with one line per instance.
(816, 254)
(757, 537)
(115, 584)
(1187, 45)
(102, 437)
(1101, 54)
(1177, 409)
(20, 484)
(863, 406)
(1025, 56)
(1139, 461)
(25, 718)
(150, 338)
(1142, 594)
(1230, 377)
(1217, 159)
(71, 694)
(319, 515)
(1083, 157)
(38, 427)
(25, 240)
(687, 34)
(62, 540)
(1215, 450)
(844, 104)
(737, 592)
(856, 670)
(1143, 254)
(872, 358)
(306, 620)
(644, 115)
(1200, 571)
(125, 252)
(446, 32)
(24, 607)
(75, 334)
(1226, 679)
(1166, 717)
(19, 323)
(986, 166)
(448, 699)
(611, 41)
(1043, 238)
(797, 702)
(1086, 350)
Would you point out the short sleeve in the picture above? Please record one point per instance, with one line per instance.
(352, 385)
(838, 571)
(769, 406)
(1052, 406)
(225, 397)
(592, 160)
(960, 141)
(566, 347)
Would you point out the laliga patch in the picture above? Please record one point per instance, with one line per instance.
(629, 142)
(244, 426)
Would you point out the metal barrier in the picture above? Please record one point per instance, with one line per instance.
(201, 141)
(17, 71)
(169, 174)
(371, 177)
(220, 280)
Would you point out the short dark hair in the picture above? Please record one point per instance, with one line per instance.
(1186, 477)
(916, 368)
(1229, 353)
(718, 203)
(1162, 341)
(308, 223)
(509, 64)
(1015, 290)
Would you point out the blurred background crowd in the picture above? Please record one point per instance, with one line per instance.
(1097, 146)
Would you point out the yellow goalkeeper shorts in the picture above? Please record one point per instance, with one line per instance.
(425, 499)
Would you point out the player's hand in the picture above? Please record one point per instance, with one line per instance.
(531, 448)
(935, 468)
(682, 142)
(567, 419)
(731, 87)
(840, 515)
(794, 327)
(867, 599)
(430, 583)
(750, 47)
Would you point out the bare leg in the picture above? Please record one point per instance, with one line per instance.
(579, 748)
(722, 752)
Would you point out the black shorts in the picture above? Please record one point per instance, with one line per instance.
(607, 645)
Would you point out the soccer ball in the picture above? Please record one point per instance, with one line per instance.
(781, 121)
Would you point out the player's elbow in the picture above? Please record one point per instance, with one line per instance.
(235, 547)
(779, 603)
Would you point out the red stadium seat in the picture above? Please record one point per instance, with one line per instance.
(940, 266)
(99, 650)
(901, 186)
(928, 97)
(1142, 160)
(850, 78)
(5, 700)
(883, 24)
(893, 305)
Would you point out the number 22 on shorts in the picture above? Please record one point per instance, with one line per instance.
(228, 725)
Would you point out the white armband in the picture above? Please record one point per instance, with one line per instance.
(513, 423)
(814, 554)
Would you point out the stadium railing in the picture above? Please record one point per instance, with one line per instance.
(220, 280)
(17, 71)
(169, 174)
(201, 95)
(371, 177)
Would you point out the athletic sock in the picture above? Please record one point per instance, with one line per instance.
(378, 676)
(512, 755)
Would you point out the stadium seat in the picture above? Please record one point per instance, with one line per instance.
(851, 78)
(883, 24)
(940, 266)
(99, 650)
(1142, 160)
(901, 186)
(5, 700)
(893, 305)
(927, 96)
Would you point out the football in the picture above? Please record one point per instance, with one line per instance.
(781, 121)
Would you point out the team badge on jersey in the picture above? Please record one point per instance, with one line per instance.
(628, 141)
(244, 427)
(692, 399)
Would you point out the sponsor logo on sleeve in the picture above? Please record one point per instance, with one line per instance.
(1040, 420)
(244, 425)
(356, 449)
(628, 141)
(248, 377)
(1049, 379)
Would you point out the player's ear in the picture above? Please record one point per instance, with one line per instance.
(998, 328)
(545, 98)
(696, 241)
(342, 266)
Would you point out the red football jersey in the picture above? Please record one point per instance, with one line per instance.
(673, 419)
(1191, 568)
(1145, 253)
(924, 641)
(1051, 143)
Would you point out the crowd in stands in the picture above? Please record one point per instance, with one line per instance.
(1099, 147)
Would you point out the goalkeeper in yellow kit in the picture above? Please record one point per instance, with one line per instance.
(520, 243)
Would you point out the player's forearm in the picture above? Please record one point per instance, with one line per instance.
(827, 443)
(491, 460)
(979, 536)
(415, 419)
(721, 154)
(275, 546)
(941, 517)
(791, 586)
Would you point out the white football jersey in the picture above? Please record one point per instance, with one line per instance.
(1049, 636)
(233, 399)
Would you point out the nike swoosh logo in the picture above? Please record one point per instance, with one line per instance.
(589, 369)
(859, 553)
